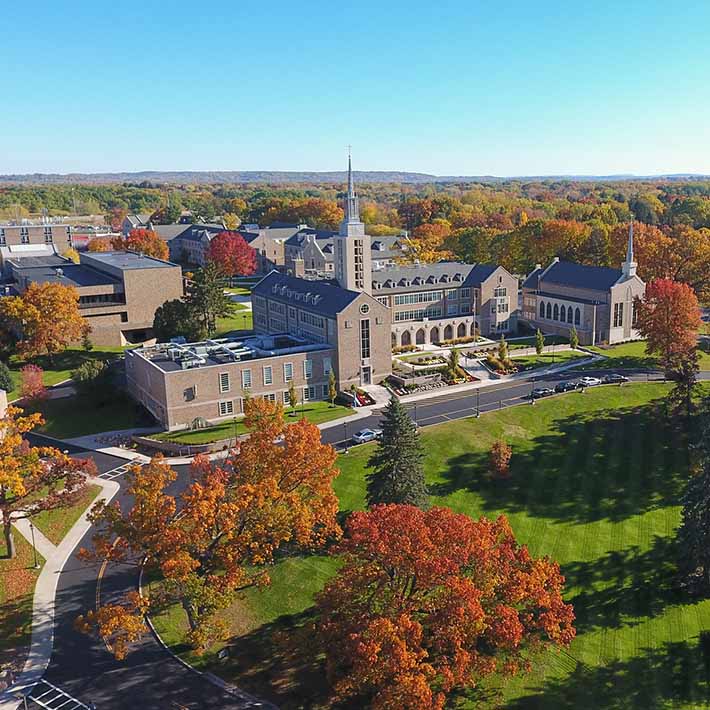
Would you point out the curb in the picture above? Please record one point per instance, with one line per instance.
(233, 690)
(43, 602)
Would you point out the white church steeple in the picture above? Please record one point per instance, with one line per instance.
(628, 268)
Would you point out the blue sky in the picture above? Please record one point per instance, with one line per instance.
(464, 87)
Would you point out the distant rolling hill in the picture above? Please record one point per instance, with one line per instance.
(272, 176)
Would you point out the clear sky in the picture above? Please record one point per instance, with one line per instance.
(468, 87)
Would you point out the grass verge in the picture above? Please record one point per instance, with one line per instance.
(55, 524)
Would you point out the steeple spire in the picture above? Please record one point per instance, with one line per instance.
(352, 203)
(629, 265)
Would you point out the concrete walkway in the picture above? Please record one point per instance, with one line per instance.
(43, 602)
(45, 547)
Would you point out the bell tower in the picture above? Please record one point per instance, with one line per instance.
(353, 259)
(628, 267)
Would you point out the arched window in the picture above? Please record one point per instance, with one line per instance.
(406, 338)
(577, 316)
(448, 333)
(461, 331)
(434, 335)
(421, 337)
(556, 312)
(394, 340)
(542, 309)
(570, 314)
(549, 311)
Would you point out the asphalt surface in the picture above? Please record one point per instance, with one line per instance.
(149, 678)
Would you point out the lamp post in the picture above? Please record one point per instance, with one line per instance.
(532, 387)
(478, 402)
(345, 440)
(34, 549)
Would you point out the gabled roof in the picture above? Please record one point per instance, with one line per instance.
(442, 275)
(168, 232)
(567, 273)
(321, 297)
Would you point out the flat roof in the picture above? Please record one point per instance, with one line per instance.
(127, 260)
(174, 357)
(68, 274)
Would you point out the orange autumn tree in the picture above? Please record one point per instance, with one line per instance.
(144, 241)
(215, 538)
(427, 603)
(33, 479)
(99, 244)
(47, 317)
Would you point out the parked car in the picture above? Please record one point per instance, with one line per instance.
(539, 392)
(365, 435)
(615, 378)
(566, 386)
(589, 381)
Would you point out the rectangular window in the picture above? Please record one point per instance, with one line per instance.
(224, 385)
(383, 300)
(309, 393)
(452, 309)
(271, 397)
(407, 299)
(268, 375)
(618, 315)
(500, 292)
(365, 338)
(246, 379)
(2, 237)
(48, 239)
(24, 235)
(326, 392)
(226, 407)
(307, 369)
(327, 365)
(288, 371)
(465, 293)
(285, 397)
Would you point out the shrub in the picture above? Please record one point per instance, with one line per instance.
(403, 349)
(5, 377)
(500, 459)
(32, 386)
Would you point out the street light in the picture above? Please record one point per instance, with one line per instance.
(34, 549)
(478, 402)
(345, 430)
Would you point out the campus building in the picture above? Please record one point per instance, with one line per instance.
(119, 292)
(599, 302)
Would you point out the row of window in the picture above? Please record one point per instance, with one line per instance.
(619, 314)
(308, 394)
(560, 313)
(408, 299)
(267, 374)
(418, 314)
(25, 235)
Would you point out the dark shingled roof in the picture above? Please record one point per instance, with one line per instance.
(429, 276)
(321, 297)
(567, 273)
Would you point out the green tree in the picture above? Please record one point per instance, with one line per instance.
(92, 380)
(5, 378)
(332, 388)
(292, 398)
(397, 474)
(206, 298)
(573, 338)
(539, 342)
(175, 318)
(453, 365)
(694, 530)
(502, 349)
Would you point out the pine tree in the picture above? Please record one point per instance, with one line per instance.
(573, 338)
(694, 530)
(398, 474)
(292, 398)
(206, 299)
(5, 377)
(502, 349)
(539, 342)
(332, 388)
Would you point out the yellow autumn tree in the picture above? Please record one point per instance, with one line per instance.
(47, 318)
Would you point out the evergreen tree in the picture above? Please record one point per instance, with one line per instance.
(397, 474)
(292, 398)
(502, 349)
(539, 342)
(206, 298)
(5, 378)
(694, 530)
(332, 387)
(573, 338)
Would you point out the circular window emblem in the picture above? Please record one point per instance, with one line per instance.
(364, 308)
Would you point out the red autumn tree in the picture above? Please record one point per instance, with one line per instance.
(429, 602)
(500, 457)
(232, 254)
(32, 387)
(216, 538)
(669, 318)
(144, 241)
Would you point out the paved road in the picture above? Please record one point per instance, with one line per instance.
(151, 679)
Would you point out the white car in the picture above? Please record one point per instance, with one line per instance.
(365, 435)
(589, 381)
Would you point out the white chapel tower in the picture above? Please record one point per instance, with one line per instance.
(353, 259)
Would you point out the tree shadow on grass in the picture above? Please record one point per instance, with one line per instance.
(15, 632)
(601, 465)
(624, 586)
(670, 675)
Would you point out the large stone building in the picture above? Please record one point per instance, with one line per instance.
(119, 292)
(599, 302)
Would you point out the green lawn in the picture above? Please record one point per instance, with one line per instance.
(56, 524)
(62, 365)
(595, 484)
(70, 417)
(520, 343)
(315, 412)
(631, 356)
(237, 290)
(534, 362)
(240, 320)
